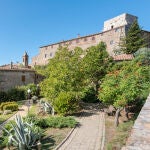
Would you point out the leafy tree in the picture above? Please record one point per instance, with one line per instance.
(63, 74)
(133, 40)
(96, 63)
(124, 85)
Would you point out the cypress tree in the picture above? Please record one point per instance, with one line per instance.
(133, 40)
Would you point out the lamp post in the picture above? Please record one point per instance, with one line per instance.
(29, 96)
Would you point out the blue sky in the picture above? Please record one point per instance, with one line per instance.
(29, 24)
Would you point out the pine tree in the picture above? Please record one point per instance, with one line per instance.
(133, 40)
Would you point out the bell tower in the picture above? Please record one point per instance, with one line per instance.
(25, 59)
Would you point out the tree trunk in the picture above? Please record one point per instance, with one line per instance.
(117, 116)
(126, 112)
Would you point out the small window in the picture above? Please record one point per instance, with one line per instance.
(51, 54)
(45, 55)
(23, 78)
(93, 38)
(112, 27)
(111, 42)
(116, 30)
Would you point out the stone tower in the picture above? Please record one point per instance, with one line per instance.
(121, 20)
(25, 59)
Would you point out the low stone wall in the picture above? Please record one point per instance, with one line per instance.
(140, 135)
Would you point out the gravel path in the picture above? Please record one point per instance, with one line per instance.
(89, 135)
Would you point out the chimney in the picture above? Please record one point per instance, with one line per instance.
(11, 65)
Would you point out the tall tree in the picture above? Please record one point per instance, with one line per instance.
(63, 73)
(123, 86)
(133, 40)
(96, 63)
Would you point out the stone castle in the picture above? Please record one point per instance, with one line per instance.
(113, 30)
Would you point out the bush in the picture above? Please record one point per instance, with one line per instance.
(56, 122)
(16, 94)
(9, 106)
(66, 103)
(3, 97)
(12, 107)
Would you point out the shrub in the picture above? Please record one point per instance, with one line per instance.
(56, 122)
(12, 107)
(66, 103)
(7, 103)
(16, 94)
(3, 96)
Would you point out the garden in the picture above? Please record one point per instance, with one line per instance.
(73, 77)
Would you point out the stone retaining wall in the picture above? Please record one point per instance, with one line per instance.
(140, 135)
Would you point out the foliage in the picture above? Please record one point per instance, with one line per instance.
(12, 107)
(3, 97)
(23, 135)
(5, 104)
(96, 63)
(63, 73)
(90, 95)
(31, 86)
(144, 55)
(133, 40)
(15, 94)
(122, 87)
(66, 103)
(56, 122)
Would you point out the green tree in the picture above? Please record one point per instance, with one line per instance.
(63, 74)
(133, 40)
(95, 64)
(124, 85)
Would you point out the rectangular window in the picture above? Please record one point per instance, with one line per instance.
(93, 38)
(51, 54)
(45, 55)
(111, 42)
(23, 78)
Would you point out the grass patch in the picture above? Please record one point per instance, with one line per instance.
(116, 137)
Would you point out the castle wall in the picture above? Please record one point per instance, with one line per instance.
(114, 29)
(111, 38)
(12, 78)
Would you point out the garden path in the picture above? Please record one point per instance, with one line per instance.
(90, 133)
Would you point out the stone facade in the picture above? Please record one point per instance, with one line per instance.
(122, 20)
(14, 75)
(113, 30)
(12, 78)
